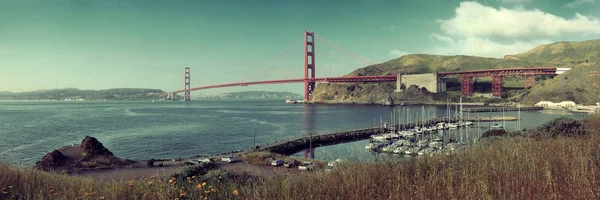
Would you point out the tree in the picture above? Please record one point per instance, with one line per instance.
(586, 60)
(151, 163)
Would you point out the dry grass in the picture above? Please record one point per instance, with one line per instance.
(512, 168)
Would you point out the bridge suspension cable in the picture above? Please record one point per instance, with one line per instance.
(349, 53)
(273, 62)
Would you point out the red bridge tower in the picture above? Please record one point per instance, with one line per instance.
(309, 64)
(186, 94)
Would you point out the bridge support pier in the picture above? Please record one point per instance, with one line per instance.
(529, 80)
(309, 65)
(186, 95)
(310, 152)
(497, 85)
(466, 85)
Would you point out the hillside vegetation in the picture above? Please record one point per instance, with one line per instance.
(74, 93)
(562, 166)
(568, 53)
(580, 84)
(560, 54)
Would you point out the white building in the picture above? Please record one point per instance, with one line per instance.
(549, 104)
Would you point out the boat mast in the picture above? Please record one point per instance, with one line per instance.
(461, 112)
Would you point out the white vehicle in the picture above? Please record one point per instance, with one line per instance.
(277, 162)
(306, 166)
(206, 160)
(228, 159)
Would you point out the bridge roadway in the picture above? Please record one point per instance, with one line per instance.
(466, 79)
(343, 79)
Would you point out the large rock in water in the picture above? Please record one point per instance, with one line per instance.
(89, 155)
(52, 160)
(91, 147)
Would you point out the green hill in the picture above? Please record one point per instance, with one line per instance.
(566, 53)
(580, 84)
(560, 54)
(74, 94)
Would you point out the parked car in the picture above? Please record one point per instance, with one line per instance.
(228, 159)
(306, 166)
(206, 160)
(277, 162)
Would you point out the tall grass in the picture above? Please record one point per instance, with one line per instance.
(511, 168)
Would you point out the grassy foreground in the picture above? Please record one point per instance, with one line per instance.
(511, 168)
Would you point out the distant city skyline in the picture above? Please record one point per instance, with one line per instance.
(146, 44)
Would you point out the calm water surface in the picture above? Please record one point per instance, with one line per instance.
(144, 130)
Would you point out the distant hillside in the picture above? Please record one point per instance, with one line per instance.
(563, 53)
(425, 63)
(581, 84)
(75, 94)
(253, 95)
(560, 54)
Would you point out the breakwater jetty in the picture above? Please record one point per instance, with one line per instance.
(500, 109)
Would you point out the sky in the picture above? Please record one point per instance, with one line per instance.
(90, 44)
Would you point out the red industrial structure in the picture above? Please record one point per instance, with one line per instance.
(466, 77)
(310, 78)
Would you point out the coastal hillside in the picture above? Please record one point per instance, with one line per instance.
(560, 54)
(77, 94)
(581, 84)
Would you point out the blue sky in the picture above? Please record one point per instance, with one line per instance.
(116, 43)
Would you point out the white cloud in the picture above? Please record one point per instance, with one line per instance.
(390, 27)
(474, 19)
(514, 1)
(486, 31)
(397, 53)
(577, 3)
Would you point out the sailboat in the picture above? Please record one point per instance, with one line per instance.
(500, 126)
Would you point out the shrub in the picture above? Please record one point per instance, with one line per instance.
(495, 132)
(150, 163)
(487, 102)
(196, 170)
(560, 127)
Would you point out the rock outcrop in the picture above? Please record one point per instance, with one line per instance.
(52, 160)
(90, 154)
(91, 147)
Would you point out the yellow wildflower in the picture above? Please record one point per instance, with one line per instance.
(10, 187)
(149, 182)
(193, 177)
(199, 186)
(171, 181)
(235, 192)
(102, 197)
(203, 184)
(188, 178)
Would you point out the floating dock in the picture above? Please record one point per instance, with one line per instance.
(500, 109)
